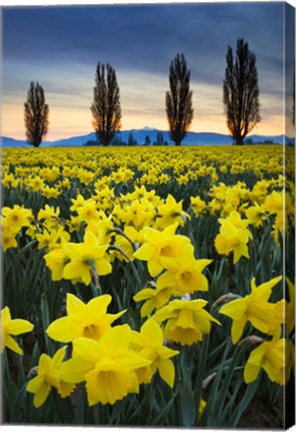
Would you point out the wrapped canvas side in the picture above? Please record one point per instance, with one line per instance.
(289, 167)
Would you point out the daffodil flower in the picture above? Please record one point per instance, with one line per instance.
(149, 344)
(170, 212)
(84, 320)
(232, 239)
(290, 308)
(186, 321)
(274, 357)
(17, 217)
(160, 244)
(184, 274)
(256, 214)
(107, 366)
(12, 327)
(253, 308)
(49, 376)
(197, 205)
(56, 260)
(83, 256)
(8, 238)
(233, 236)
(155, 298)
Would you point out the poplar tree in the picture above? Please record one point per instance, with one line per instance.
(106, 108)
(36, 115)
(179, 100)
(241, 92)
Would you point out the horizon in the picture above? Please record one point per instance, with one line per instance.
(144, 40)
(149, 129)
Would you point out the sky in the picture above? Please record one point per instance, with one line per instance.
(60, 46)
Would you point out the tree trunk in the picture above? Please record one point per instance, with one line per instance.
(239, 140)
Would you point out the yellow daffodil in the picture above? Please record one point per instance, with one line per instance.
(49, 192)
(155, 298)
(170, 212)
(138, 213)
(17, 217)
(87, 211)
(83, 256)
(8, 237)
(127, 241)
(49, 376)
(201, 408)
(160, 244)
(233, 237)
(290, 308)
(274, 203)
(89, 320)
(186, 321)
(149, 343)
(197, 205)
(12, 327)
(9, 181)
(49, 214)
(101, 227)
(253, 308)
(185, 274)
(107, 366)
(256, 214)
(56, 260)
(77, 203)
(278, 318)
(270, 356)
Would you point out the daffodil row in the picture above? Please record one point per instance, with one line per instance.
(114, 361)
(135, 211)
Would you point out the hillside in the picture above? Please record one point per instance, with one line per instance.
(139, 135)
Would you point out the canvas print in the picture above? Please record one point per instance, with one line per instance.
(147, 215)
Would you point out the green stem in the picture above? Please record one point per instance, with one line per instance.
(118, 249)
(96, 291)
(113, 247)
(123, 234)
(228, 378)
(56, 403)
(201, 368)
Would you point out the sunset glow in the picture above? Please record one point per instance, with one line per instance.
(63, 47)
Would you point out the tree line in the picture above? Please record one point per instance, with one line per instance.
(240, 100)
(131, 141)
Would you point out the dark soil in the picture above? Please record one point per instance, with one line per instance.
(259, 415)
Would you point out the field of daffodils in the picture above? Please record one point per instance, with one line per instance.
(146, 286)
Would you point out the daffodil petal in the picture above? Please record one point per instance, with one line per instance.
(237, 329)
(13, 345)
(35, 384)
(251, 373)
(234, 309)
(152, 332)
(63, 329)
(75, 307)
(41, 396)
(144, 294)
(74, 370)
(166, 371)
(98, 305)
(19, 326)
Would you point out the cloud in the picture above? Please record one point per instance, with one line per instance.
(60, 47)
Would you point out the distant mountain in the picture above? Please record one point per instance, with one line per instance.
(74, 141)
(139, 135)
(11, 142)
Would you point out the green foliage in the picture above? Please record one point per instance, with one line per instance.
(211, 370)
